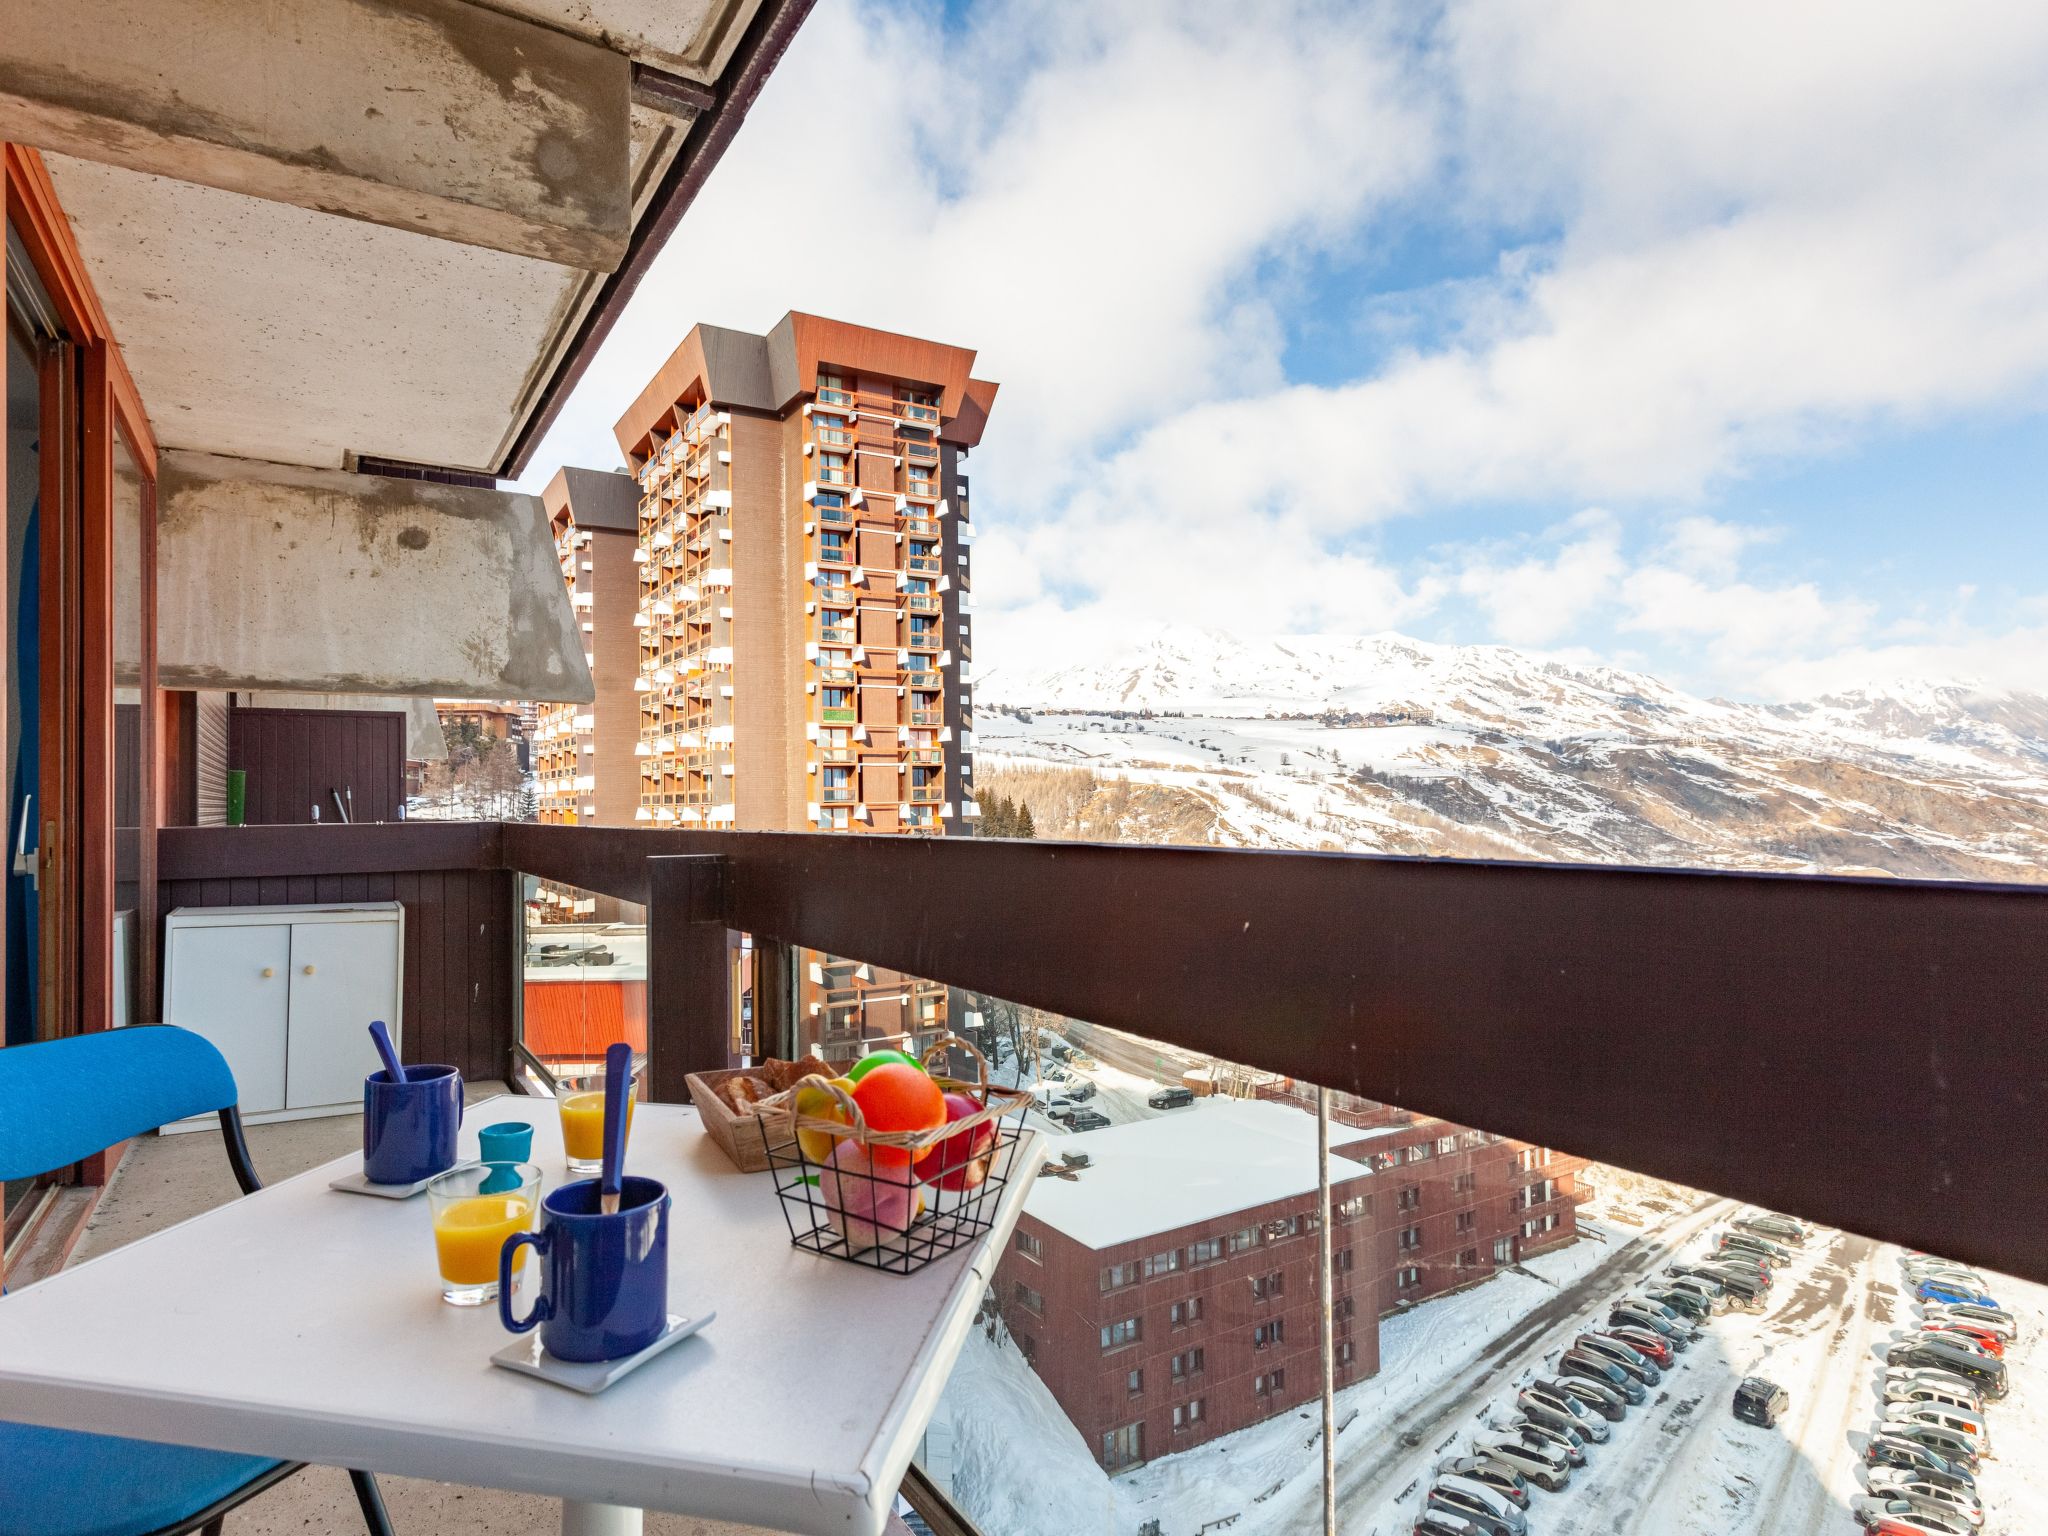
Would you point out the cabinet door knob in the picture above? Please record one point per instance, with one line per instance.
(308, 970)
(268, 972)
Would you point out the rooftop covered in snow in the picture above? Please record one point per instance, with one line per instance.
(1192, 1165)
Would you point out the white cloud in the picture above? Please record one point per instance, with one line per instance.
(1731, 237)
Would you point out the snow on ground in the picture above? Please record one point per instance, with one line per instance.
(1680, 1465)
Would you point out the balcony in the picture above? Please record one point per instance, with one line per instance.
(922, 565)
(921, 527)
(913, 412)
(834, 397)
(921, 452)
(835, 634)
(836, 517)
(836, 716)
(927, 717)
(922, 602)
(835, 794)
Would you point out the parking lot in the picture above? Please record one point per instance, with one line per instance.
(1682, 1464)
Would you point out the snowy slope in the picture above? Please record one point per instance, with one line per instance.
(1384, 743)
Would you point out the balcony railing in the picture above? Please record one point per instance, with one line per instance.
(924, 565)
(922, 602)
(1792, 1018)
(924, 452)
(835, 794)
(836, 634)
(927, 717)
(835, 716)
(836, 517)
(913, 412)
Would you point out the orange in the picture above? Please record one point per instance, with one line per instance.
(896, 1097)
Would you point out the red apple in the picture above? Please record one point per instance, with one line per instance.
(961, 1160)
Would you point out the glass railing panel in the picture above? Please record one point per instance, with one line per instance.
(1148, 1356)
(583, 973)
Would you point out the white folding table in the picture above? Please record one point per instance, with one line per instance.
(306, 1324)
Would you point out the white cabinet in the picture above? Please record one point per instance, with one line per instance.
(287, 994)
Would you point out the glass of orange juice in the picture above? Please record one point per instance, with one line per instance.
(475, 1208)
(581, 1102)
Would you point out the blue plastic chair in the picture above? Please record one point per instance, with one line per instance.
(82, 1095)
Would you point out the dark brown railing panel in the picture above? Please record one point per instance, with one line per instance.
(227, 853)
(1862, 1052)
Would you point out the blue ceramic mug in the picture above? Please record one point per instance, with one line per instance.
(603, 1279)
(409, 1128)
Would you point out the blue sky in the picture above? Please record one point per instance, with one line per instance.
(1711, 342)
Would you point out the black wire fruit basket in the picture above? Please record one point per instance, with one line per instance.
(891, 1200)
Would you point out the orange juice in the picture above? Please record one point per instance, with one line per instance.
(583, 1126)
(468, 1235)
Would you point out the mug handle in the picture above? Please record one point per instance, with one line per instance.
(542, 1308)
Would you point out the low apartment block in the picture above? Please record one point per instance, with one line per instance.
(1166, 1291)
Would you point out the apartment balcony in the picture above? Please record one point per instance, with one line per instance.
(922, 602)
(922, 565)
(836, 716)
(836, 634)
(921, 527)
(927, 794)
(835, 794)
(927, 717)
(926, 453)
(913, 412)
(835, 517)
(837, 397)
(919, 678)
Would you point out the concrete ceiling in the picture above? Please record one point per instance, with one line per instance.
(692, 38)
(261, 329)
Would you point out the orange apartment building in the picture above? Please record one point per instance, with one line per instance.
(804, 635)
(583, 754)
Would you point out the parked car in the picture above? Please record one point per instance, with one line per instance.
(1951, 1393)
(1600, 1396)
(1607, 1347)
(1899, 1483)
(1883, 1450)
(1951, 1292)
(1932, 1351)
(1997, 1319)
(1576, 1362)
(1931, 1376)
(1498, 1476)
(1441, 1522)
(1784, 1229)
(1692, 1305)
(1957, 1450)
(1547, 1466)
(1478, 1503)
(1647, 1342)
(1551, 1408)
(1638, 1314)
(1086, 1120)
(1919, 1523)
(1990, 1343)
(1872, 1509)
(1754, 1242)
(1081, 1091)
(1971, 1426)
(1561, 1438)
(1708, 1289)
(1760, 1402)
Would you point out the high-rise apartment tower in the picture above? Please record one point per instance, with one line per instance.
(803, 529)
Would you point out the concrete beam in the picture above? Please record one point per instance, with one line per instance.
(432, 115)
(275, 577)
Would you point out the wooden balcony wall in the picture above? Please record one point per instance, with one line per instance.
(1864, 1053)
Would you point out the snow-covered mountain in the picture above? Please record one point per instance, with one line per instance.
(1384, 742)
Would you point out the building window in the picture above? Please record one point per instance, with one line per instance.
(1134, 1383)
(1340, 1261)
(1123, 1447)
(1503, 1250)
(1187, 1313)
(1446, 1145)
(1207, 1251)
(1187, 1363)
(1538, 1225)
(1270, 1382)
(1468, 1258)
(1414, 1154)
(1270, 1333)
(1117, 1335)
(1116, 1276)
(1411, 1197)
(1162, 1264)
(1028, 1298)
(1244, 1239)
(1027, 1245)
(1343, 1307)
(1465, 1184)
(1347, 1353)
(1187, 1415)
(1407, 1279)
(831, 545)
(1411, 1239)
(1265, 1287)
(1281, 1227)
(1465, 1220)
(1354, 1207)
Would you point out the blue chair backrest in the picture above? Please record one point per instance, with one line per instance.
(62, 1100)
